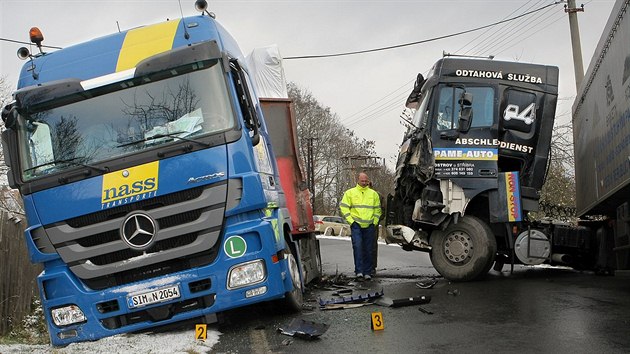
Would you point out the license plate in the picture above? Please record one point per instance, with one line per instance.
(152, 297)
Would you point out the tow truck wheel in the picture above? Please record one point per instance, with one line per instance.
(463, 251)
(293, 299)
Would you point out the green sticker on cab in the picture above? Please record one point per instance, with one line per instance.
(235, 246)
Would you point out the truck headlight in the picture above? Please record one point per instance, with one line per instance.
(246, 274)
(67, 315)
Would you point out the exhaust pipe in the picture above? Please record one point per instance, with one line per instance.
(562, 258)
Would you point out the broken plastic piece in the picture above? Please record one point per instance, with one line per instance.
(411, 301)
(343, 306)
(304, 329)
(425, 311)
(384, 301)
(342, 292)
(426, 283)
(351, 299)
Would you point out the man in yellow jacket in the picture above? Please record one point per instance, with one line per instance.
(361, 207)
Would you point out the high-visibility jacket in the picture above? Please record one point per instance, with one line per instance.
(361, 205)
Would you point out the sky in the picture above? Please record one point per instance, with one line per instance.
(366, 91)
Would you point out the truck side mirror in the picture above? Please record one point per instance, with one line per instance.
(8, 139)
(9, 116)
(465, 112)
(246, 102)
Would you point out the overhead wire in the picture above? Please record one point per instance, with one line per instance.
(26, 43)
(516, 32)
(379, 112)
(503, 48)
(489, 29)
(501, 32)
(406, 92)
(388, 106)
(558, 18)
(420, 41)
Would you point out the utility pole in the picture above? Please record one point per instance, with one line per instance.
(310, 166)
(578, 66)
(360, 163)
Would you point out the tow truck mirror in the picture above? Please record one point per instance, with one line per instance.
(413, 101)
(465, 112)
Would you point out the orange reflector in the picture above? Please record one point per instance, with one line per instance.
(36, 35)
(514, 229)
(274, 258)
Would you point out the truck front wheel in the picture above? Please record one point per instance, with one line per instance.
(294, 298)
(463, 251)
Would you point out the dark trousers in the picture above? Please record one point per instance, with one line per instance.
(362, 248)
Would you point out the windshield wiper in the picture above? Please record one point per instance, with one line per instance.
(167, 135)
(71, 161)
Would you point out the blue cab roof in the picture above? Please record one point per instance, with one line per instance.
(102, 56)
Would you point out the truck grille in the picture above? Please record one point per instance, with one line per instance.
(189, 224)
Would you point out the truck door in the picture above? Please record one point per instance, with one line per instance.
(464, 132)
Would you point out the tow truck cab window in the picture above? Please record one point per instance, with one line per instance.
(422, 113)
(448, 109)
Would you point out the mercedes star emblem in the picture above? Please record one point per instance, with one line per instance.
(138, 231)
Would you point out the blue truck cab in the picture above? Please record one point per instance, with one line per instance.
(149, 182)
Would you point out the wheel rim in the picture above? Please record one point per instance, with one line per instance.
(458, 247)
(295, 276)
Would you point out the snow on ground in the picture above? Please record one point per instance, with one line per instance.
(165, 342)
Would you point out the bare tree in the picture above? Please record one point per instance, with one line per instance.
(557, 197)
(160, 110)
(332, 147)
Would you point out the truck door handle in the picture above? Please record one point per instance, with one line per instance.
(487, 172)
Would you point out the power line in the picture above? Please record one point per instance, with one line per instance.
(516, 31)
(405, 86)
(503, 47)
(500, 32)
(418, 42)
(484, 32)
(498, 43)
(27, 43)
(379, 112)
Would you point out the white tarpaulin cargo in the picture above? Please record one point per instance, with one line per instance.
(265, 64)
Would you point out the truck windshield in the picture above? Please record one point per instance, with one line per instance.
(449, 108)
(117, 123)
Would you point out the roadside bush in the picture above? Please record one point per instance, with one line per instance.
(32, 330)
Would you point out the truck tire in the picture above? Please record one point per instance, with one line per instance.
(463, 251)
(293, 299)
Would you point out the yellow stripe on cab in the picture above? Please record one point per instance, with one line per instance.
(141, 43)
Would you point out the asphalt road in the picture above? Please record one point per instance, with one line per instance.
(532, 310)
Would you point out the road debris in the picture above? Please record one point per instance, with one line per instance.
(408, 301)
(425, 311)
(452, 292)
(342, 292)
(352, 299)
(344, 306)
(287, 342)
(300, 328)
(415, 300)
(426, 283)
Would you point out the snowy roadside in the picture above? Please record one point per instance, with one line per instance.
(167, 342)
